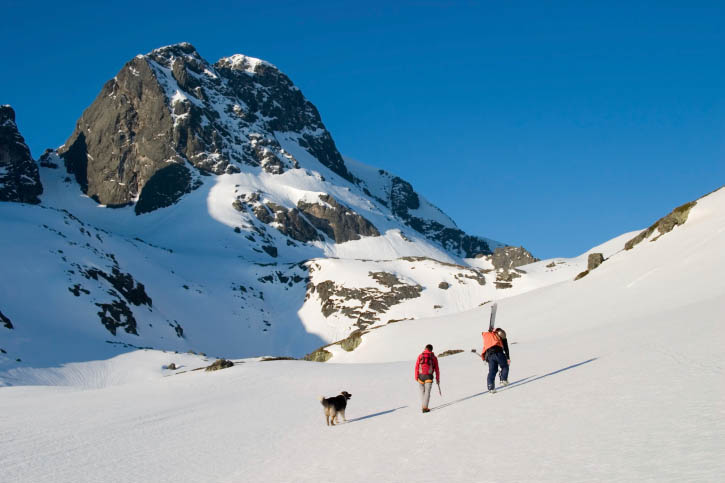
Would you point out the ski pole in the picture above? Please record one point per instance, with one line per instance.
(439, 388)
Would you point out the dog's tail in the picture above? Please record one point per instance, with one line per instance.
(321, 399)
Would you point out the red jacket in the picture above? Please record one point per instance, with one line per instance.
(427, 363)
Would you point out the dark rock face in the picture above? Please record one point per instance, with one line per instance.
(172, 106)
(309, 221)
(5, 321)
(506, 258)
(403, 198)
(117, 314)
(678, 216)
(163, 188)
(594, 260)
(337, 221)
(19, 178)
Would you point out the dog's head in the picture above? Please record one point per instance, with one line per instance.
(346, 394)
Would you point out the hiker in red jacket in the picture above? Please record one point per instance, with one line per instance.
(426, 364)
(496, 353)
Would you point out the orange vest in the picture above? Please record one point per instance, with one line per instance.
(490, 339)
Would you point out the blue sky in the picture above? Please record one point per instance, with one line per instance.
(556, 128)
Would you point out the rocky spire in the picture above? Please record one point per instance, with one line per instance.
(19, 179)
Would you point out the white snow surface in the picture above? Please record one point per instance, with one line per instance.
(615, 377)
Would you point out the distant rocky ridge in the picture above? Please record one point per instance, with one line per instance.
(19, 178)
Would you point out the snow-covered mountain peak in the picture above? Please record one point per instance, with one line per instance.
(231, 202)
(244, 63)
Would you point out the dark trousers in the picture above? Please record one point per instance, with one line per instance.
(495, 360)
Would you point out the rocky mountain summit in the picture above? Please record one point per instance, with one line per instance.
(205, 206)
(19, 179)
(169, 117)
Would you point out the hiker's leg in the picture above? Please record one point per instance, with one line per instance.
(504, 367)
(426, 393)
(492, 370)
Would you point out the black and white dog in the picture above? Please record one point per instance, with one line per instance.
(334, 406)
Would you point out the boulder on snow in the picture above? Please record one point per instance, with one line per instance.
(450, 352)
(594, 260)
(219, 364)
(320, 355)
(581, 275)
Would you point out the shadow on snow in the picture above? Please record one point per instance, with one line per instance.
(515, 384)
(375, 414)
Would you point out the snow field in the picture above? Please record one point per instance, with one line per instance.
(591, 406)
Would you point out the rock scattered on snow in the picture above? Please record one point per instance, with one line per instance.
(219, 364)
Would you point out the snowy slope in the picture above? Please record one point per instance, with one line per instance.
(615, 377)
(678, 270)
(210, 289)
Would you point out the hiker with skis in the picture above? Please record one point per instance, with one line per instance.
(425, 366)
(496, 353)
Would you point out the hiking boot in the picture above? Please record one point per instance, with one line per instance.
(426, 410)
(504, 383)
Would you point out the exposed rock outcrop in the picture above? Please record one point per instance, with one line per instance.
(309, 221)
(403, 202)
(337, 221)
(219, 364)
(5, 321)
(365, 305)
(678, 216)
(320, 355)
(19, 178)
(506, 258)
(117, 313)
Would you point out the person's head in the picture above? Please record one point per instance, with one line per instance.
(429, 347)
(501, 333)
